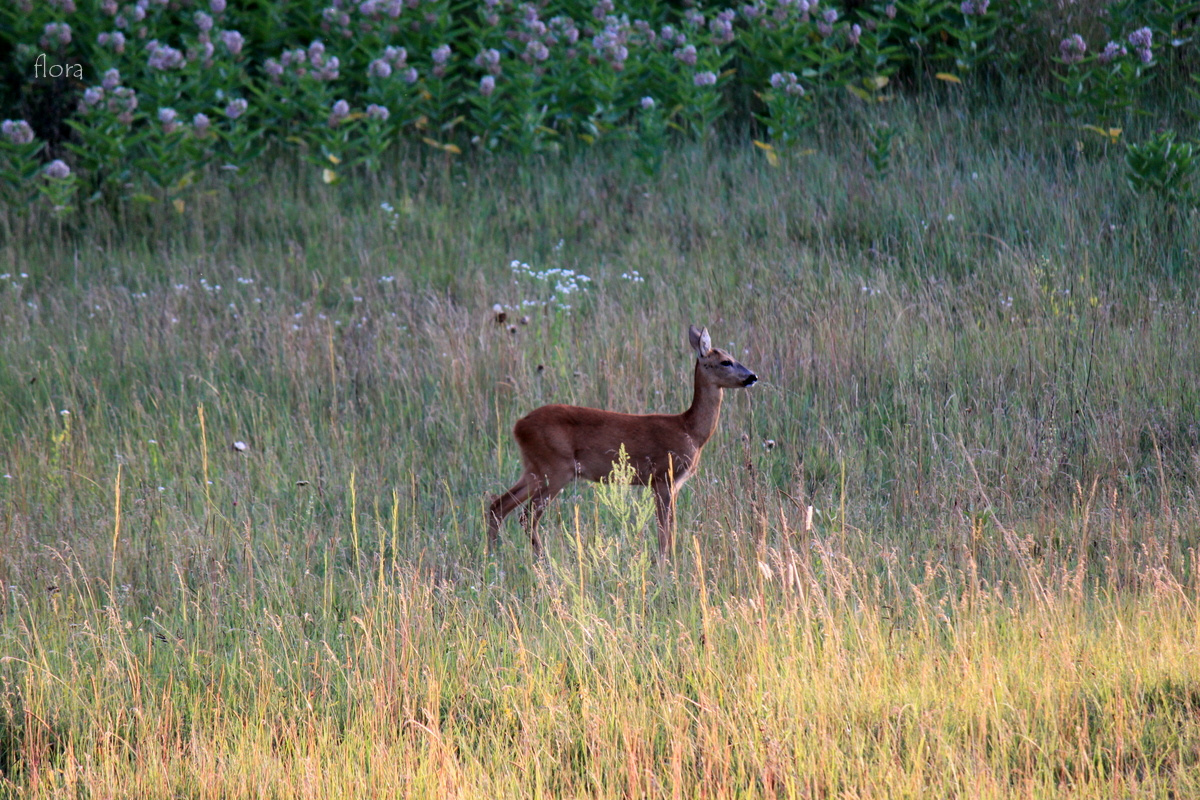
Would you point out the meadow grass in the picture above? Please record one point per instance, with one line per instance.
(980, 373)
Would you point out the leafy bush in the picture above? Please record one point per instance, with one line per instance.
(172, 88)
(1163, 166)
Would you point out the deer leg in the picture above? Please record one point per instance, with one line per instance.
(537, 506)
(506, 503)
(664, 510)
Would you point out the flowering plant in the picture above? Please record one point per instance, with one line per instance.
(19, 164)
(1100, 87)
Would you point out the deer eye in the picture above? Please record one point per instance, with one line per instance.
(726, 363)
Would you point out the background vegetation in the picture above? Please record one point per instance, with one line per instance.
(247, 444)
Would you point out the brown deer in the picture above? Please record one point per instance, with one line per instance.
(561, 443)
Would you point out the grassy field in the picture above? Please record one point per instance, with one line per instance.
(981, 373)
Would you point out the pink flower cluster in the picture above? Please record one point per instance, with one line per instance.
(112, 96)
(16, 131)
(55, 35)
(393, 61)
(610, 43)
(788, 83)
(163, 57)
(1072, 49)
(300, 62)
(1141, 41)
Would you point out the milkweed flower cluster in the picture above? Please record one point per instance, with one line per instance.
(1112, 51)
(17, 132)
(1072, 49)
(377, 112)
(610, 43)
(163, 57)
(721, 27)
(825, 24)
(1141, 41)
(114, 40)
(55, 35)
(705, 79)
(788, 83)
(57, 170)
(300, 62)
(487, 85)
(233, 42)
(489, 61)
(394, 61)
(536, 50)
(236, 108)
(440, 56)
(686, 55)
(120, 101)
(169, 119)
(974, 8)
(338, 113)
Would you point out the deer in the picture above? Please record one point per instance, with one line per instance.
(560, 444)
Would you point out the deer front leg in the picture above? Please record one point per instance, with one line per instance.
(538, 501)
(664, 511)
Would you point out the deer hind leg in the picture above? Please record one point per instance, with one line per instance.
(664, 511)
(508, 502)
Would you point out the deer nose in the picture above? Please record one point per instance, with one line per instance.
(753, 379)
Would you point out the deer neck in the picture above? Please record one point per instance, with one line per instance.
(701, 418)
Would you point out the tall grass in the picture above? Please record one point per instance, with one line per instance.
(980, 374)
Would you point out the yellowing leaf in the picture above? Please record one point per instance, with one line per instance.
(179, 205)
(333, 159)
(587, 137)
(877, 82)
(422, 123)
(449, 148)
(858, 91)
(948, 77)
(1112, 134)
(328, 175)
(772, 156)
(294, 140)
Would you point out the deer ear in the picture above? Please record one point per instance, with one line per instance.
(701, 341)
